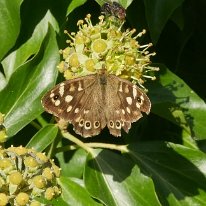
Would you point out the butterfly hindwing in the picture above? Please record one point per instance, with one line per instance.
(90, 120)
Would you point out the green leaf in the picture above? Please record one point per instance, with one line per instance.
(158, 13)
(20, 99)
(101, 2)
(31, 47)
(115, 180)
(74, 160)
(3, 81)
(74, 193)
(74, 4)
(9, 24)
(54, 202)
(125, 3)
(174, 100)
(176, 170)
(43, 137)
(178, 18)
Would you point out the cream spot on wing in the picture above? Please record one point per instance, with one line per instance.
(86, 111)
(57, 103)
(69, 108)
(138, 105)
(128, 110)
(71, 88)
(126, 89)
(77, 119)
(136, 113)
(134, 92)
(61, 89)
(129, 100)
(120, 87)
(142, 97)
(51, 95)
(68, 98)
(80, 87)
(123, 112)
(117, 111)
(76, 110)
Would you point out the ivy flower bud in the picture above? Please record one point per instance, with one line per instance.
(22, 198)
(4, 199)
(15, 178)
(39, 181)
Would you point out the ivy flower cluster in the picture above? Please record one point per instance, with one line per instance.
(106, 44)
(26, 174)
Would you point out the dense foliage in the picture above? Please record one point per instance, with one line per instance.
(164, 163)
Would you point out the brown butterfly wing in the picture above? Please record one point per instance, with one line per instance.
(77, 102)
(90, 103)
(63, 98)
(125, 104)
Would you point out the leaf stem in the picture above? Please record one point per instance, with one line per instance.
(41, 121)
(76, 141)
(88, 146)
(35, 125)
(121, 148)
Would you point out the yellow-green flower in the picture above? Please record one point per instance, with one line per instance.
(107, 45)
(26, 174)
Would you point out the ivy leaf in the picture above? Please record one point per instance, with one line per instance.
(158, 13)
(74, 4)
(174, 100)
(178, 172)
(9, 25)
(74, 193)
(115, 180)
(43, 138)
(20, 99)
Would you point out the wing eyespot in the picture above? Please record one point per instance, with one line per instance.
(139, 100)
(56, 96)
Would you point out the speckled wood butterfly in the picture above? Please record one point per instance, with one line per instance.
(95, 101)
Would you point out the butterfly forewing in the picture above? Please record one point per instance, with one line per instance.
(90, 103)
(77, 101)
(66, 98)
(127, 105)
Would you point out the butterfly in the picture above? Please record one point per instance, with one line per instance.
(95, 101)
